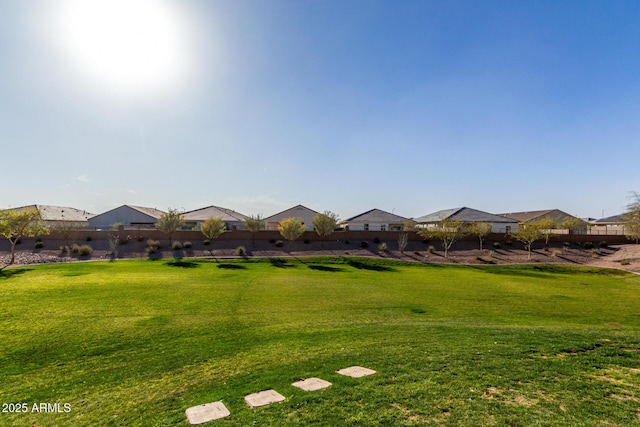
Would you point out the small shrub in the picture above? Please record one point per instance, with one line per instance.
(491, 254)
(382, 247)
(566, 244)
(364, 244)
(123, 240)
(153, 245)
(150, 250)
(431, 249)
(187, 245)
(88, 239)
(176, 245)
(139, 238)
(603, 244)
(241, 250)
(625, 262)
(496, 245)
(272, 240)
(39, 245)
(556, 253)
(546, 248)
(75, 249)
(279, 243)
(508, 243)
(64, 249)
(206, 242)
(577, 244)
(416, 253)
(588, 245)
(376, 240)
(307, 241)
(85, 250)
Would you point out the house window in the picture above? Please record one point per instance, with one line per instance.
(366, 227)
(383, 227)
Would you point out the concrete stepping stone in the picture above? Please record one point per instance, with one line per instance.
(263, 398)
(312, 384)
(207, 412)
(356, 371)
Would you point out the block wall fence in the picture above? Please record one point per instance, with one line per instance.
(354, 236)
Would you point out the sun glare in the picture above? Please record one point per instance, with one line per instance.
(129, 48)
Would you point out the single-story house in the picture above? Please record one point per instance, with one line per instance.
(303, 213)
(555, 214)
(608, 226)
(499, 224)
(232, 219)
(128, 215)
(61, 216)
(374, 220)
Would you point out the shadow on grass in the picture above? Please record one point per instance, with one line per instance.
(7, 274)
(369, 266)
(325, 268)
(232, 266)
(280, 263)
(183, 264)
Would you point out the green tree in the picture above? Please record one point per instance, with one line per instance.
(291, 228)
(170, 222)
(446, 231)
(254, 224)
(15, 224)
(632, 218)
(325, 223)
(212, 227)
(409, 225)
(546, 226)
(574, 225)
(531, 232)
(479, 230)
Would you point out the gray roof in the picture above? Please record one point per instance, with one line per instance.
(534, 215)
(203, 214)
(463, 214)
(153, 212)
(150, 212)
(374, 216)
(60, 213)
(615, 219)
(293, 209)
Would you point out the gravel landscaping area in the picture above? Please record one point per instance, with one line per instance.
(625, 257)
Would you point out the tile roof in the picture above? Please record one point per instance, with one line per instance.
(214, 211)
(376, 216)
(463, 214)
(60, 213)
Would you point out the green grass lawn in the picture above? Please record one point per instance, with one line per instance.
(136, 343)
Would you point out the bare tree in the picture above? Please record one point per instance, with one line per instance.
(403, 240)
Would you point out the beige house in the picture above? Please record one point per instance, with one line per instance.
(499, 224)
(232, 219)
(374, 220)
(302, 212)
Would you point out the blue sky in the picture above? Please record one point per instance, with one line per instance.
(406, 106)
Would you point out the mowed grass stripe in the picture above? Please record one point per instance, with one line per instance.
(137, 342)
